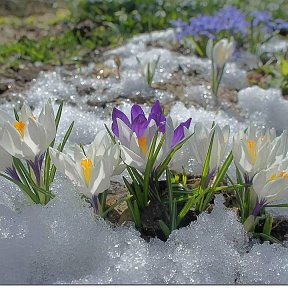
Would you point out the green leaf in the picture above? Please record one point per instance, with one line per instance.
(16, 114)
(165, 163)
(110, 134)
(269, 238)
(218, 180)
(59, 113)
(268, 225)
(197, 46)
(165, 229)
(205, 171)
(284, 66)
(25, 175)
(148, 169)
(24, 189)
(185, 210)
(277, 205)
(222, 172)
(60, 148)
(170, 193)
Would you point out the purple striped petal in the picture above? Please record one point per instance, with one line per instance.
(139, 125)
(187, 123)
(118, 114)
(179, 132)
(135, 111)
(36, 166)
(157, 115)
(258, 207)
(11, 171)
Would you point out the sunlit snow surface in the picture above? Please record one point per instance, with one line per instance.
(63, 242)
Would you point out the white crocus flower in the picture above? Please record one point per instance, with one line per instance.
(90, 171)
(221, 52)
(271, 185)
(200, 141)
(148, 69)
(257, 150)
(29, 137)
(135, 150)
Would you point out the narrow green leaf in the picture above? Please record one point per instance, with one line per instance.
(277, 205)
(190, 203)
(205, 171)
(170, 193)
(60, 148)
(174, 216)
(16, 114)
(165, 229)
(137, 215)
(222, 172)
(24, 175)
(218, 180)
(24, 188)
(167, 160)
(110, 134)
(268, 225)
(148, 169)
(58, 114)
(269, 238)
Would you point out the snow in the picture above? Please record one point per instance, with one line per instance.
(63, 242)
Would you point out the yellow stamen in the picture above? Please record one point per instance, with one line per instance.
(282, 174)
(252, 151)
(20, 126)
(86, 166)
(142, 141)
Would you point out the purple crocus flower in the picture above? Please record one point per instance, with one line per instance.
(139, 122)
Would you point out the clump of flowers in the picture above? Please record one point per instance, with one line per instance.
(150, 147)
(24, 144)
(261, 165)
(225, 23)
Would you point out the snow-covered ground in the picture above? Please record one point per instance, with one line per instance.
(63, 242)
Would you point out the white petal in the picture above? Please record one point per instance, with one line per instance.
(65, 165)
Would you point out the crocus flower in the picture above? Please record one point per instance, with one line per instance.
(256, 150)
(139, 122)
(221, 52)
(28, 138)
(175, 135)
(91, 171)
(200, 141)
(136, 135)
(148, 69)
(271, 185)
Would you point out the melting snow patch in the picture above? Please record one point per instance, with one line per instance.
(265, 107)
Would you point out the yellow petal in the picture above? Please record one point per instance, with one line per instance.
(142, 141)
(20, 126)
(86, 167)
